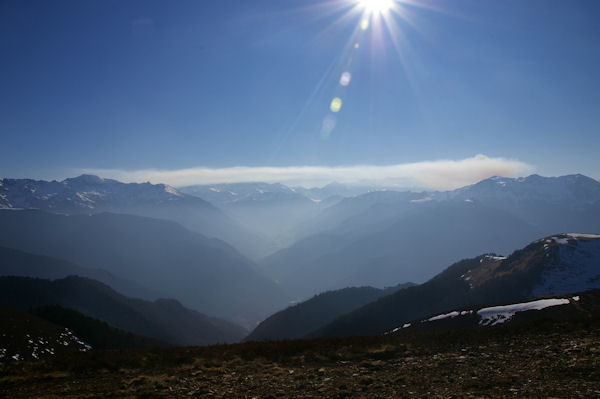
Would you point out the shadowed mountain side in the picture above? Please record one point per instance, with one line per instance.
(165, 319)
(283, 265)
(204, 274)
(96, 333)
(246, 240)
(412, 248)
(298, 320)
(18, 263)
(554, 265)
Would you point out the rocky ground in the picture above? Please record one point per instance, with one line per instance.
(548, 359)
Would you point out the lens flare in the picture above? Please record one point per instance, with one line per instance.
(336, 105)
(345, 78)
(376, 23)
(328, 125)
(364, 24)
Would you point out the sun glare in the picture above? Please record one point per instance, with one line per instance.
(376, 6)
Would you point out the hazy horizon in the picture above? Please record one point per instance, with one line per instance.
(437, 175)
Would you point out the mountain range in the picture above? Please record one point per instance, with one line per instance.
(204, 274)
(152, 241)
(559, 264)
(383, 237)
(89, 194)
(271, 209)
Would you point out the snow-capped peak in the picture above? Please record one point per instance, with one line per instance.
(85, 193)
(571, 264)
(172, 190)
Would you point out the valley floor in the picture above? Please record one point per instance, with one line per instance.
(545, 360)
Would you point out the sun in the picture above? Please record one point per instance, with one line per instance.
(376, 6)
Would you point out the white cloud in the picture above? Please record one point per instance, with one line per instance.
(439, 175)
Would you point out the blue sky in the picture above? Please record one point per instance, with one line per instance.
(130, 88)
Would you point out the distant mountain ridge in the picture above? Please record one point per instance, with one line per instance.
(572, 191)
(22, 264)
(384, 237)
(230, 193)
(276, 210)
(224, 193)
(333, 190)
(271, 209)
(575, 189)
(87, 194)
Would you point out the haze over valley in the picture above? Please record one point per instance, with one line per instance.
(380, 238)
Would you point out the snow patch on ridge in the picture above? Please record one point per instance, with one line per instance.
(450, 315)
(574, 268)
(500, 314)
(425, 199)
(581, 235)
(494, 315)
(35, 347)
(563, 239)
(171, 190)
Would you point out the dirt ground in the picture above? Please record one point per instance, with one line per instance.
(556, 360)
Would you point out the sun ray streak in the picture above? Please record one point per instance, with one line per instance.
(309, 101)
(375, 22)
(348, 16)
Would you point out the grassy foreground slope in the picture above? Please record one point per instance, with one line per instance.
(542, 359)
(165, 320)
